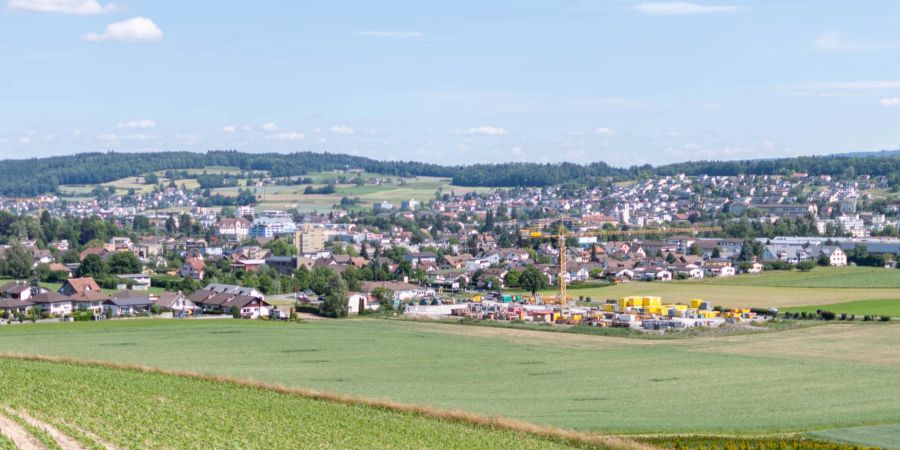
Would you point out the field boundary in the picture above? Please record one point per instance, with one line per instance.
(457, 416)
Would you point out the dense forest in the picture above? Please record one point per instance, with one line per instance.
(29, 177)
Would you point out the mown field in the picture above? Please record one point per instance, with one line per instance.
(819, 378)
(101, 407)
(820, 277)
(861, 308)
(780, 289)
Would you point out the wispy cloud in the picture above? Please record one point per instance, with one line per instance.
(77, 7)
(890, 101)
(136, 124)
(228, 129)
(137, 29)
(271, 126)
(673, 8)
(487, 131)
(854, 85)
(289, 136)
(603, 131)
(391, 34)
(837, 41)
(343, 130)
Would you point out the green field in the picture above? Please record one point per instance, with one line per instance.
(781, 289)
(808, 379)
(136, 409)
(887, 307)
(284, 197)
(820, 277)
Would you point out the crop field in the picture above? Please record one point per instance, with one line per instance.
(888, 307)
(817, 378)
(139, 409)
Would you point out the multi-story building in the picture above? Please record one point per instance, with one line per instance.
(309, 239)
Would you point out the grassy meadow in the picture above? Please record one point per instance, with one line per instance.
(125, 408)
(808, 379)
(861, 308)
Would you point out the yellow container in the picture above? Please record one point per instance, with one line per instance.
(695, 303)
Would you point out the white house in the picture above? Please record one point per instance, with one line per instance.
(836, 256)
(354, 300)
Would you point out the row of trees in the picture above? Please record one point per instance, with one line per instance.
(43, 175)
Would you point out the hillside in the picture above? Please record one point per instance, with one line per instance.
(44, 175)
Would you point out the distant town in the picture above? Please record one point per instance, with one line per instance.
(120, 252)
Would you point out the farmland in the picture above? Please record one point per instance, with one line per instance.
(888, 307)
(820, 277)
(140, 409)
(590, 383)
(781, 289)
(293, 196)
(283, 197)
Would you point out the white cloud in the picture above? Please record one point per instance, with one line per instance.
(890, 101)
(837, 41)
(229, 129)
(342, 129)
(671, 8)
(392, 34)
(855, 85)
(516, 151)
(137, 29)
(603, 131)
(487, 131)
(290, 136)
(136, 124)
(125, 137)
(271, 126)
(77, 7)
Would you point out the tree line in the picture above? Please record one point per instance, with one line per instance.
(35, 176)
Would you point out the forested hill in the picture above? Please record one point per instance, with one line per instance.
(36, 176)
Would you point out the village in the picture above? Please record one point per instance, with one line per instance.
(452, 256)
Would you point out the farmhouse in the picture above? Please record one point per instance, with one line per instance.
(175, 302)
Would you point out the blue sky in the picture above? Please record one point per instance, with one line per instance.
(626, 82)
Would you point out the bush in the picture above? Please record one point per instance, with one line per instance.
(843, 316)
(82, 316)
(867, 318)
(235, 312)
(306, 308)
(806, 266)
(885, 318)
(827, 315)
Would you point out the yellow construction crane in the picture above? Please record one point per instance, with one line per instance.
(561, 235)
